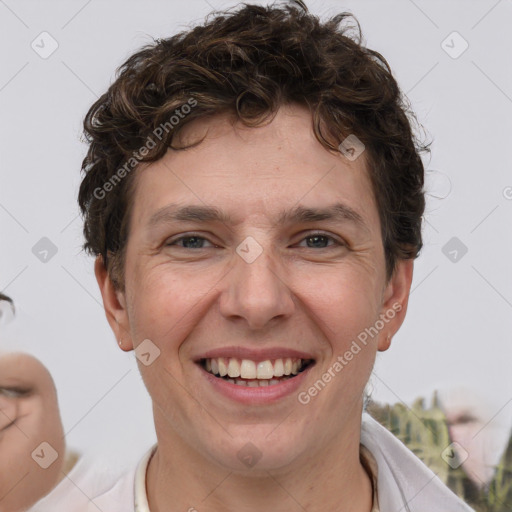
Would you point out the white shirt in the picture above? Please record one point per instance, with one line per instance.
(89, 482)
(404, 483)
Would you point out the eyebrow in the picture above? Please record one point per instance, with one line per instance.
(298, 215)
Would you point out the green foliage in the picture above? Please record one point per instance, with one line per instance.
(499, 496)
(425, 432)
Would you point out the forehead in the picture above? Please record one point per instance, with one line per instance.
(278, 168)
(18, 368)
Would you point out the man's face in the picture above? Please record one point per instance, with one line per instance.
(254, 289)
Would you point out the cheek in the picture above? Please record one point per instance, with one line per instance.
(8, 410)
(345, 301)
(152, 303)
(52, 422)
(41, 415)
(40, 419)
(346, 310)
(164, 306)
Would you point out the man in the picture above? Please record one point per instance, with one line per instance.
(253, 196)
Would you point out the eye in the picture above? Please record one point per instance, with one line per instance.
(190, 241)
(14, 392)
(195, 241)
(319, 244)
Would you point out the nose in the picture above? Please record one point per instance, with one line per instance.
(256, 291)
(8, 410)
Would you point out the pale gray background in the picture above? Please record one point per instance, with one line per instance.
(458, 327)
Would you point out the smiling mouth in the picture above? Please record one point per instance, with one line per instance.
(245, 372)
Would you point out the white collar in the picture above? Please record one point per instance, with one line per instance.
(141, 496)
(403, 480)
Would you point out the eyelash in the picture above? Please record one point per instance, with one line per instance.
(310, 235)
(14, 392)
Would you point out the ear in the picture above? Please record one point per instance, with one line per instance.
(114, 303)
(395, 301)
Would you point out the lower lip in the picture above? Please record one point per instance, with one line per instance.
(256, 395)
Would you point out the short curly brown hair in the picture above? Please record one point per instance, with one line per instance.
(249, 62)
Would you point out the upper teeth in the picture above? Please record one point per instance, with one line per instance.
(247, 369)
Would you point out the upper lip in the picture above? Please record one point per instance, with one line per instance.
(254, 354)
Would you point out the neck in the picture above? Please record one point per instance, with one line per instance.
(333, 478)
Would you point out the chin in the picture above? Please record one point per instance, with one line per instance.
(253, 449)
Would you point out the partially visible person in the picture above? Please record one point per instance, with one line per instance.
(468, 418)
(37, 472)
(31, 436)
(32, 447)
(34, 462)
(5, 298)
(6, 308)
(482, 445)
(457, 438)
